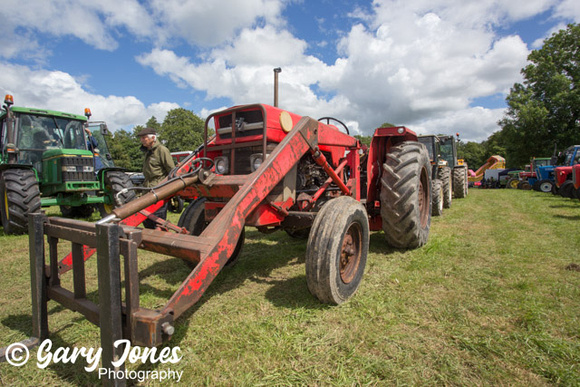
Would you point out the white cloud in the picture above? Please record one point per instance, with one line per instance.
(211, 22)
(472, 124)
(56, 90)
(411, 62)
(97, 23)
(568, 9)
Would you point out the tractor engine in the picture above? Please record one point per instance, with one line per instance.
(310, 176)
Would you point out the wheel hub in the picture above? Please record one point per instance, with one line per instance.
(350, 253)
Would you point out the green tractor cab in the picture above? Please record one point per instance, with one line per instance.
(45, 161)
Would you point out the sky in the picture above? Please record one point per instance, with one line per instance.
(435, 66)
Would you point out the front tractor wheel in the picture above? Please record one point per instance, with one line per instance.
(193, 219)
(116, 182)
(336, 253)
(20, 196)
(406, 195)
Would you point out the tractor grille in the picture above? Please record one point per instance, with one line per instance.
(248, 123)
(77, 169)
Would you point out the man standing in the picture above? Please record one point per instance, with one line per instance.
(156, 166)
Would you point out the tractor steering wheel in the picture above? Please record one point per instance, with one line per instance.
(328, 119)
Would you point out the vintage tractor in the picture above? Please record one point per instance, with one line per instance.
(547, 174)
(265, 168)
(440, 175)
(563, 174)
(45, 161)
(527, 179)
(448, 148)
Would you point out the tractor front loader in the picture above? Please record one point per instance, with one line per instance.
(264, 168)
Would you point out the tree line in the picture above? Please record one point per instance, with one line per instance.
(181, 130)
(543, 112)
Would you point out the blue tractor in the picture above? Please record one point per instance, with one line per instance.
(546, 173)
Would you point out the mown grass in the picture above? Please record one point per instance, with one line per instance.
(488, 301)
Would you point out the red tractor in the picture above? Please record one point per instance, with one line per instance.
(576, 179)
(563, 174)
(264, 168)
(564, 182)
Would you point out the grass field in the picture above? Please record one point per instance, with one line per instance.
(490, 300)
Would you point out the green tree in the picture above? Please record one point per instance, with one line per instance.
(545, 109)
(181, 130)
(366, 140)
(473, 153)
(124, 148)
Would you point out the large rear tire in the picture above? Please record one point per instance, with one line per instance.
(406, 195)
(20, 196)
(444, 174)
(193, 219)
(460, 185)
(115, 182)
(436, 198)
(337, 249)
(567, 189)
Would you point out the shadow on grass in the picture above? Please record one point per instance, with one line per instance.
(571, 205)
(566, 217)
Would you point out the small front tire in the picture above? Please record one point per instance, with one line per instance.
(337, 249)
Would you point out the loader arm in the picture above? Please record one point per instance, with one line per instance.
(226, 228)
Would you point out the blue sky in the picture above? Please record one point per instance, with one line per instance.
(437, 66)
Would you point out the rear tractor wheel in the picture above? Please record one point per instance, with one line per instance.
(436, 198)
(513, 183)
(460, 182)
(406, 195)
(20, 196)
(567, 189)
(444, 174)
(546, 186)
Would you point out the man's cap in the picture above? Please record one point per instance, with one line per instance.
(146, 131)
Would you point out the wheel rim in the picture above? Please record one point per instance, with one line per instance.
(108, 208)
(514, 184)
(546, 187)
(350, 253)
(424, 200)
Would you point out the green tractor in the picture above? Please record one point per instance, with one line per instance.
(45, 160)
(448, 147)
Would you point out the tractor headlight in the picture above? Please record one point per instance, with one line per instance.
(222, 165)
(69, 168)
(88, 168)
(256, 160)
